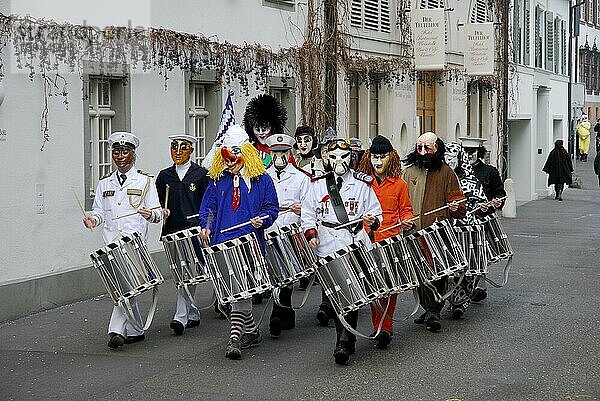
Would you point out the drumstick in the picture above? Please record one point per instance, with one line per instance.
(489, 203)
(352, 222)
(399, 224)
(132, 213)
(242, 224)
(191, 216)
(442, 207)
(166, 201)
(80, 204)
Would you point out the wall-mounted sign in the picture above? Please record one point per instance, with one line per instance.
(479, 49)
(428, 29)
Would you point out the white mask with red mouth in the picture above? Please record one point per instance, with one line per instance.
(305, 144)
(262, 132)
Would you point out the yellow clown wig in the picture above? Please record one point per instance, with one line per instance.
(253, 165)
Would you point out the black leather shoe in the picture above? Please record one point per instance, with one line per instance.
(479, 294)
(433, 323)
(420, 319)
(383, 339)
(275, 327)
(177, 327)
(192, 323)
(322, 317)
(135, 339)
(116, 341)
(341, 354)
(457, 311)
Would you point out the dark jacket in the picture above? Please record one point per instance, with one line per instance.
(597, 166)
(491, 181)
(185, 196)
(558, 166)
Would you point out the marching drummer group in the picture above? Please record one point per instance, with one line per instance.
(257, 179)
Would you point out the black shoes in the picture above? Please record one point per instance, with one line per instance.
(177, 327)
(420, 319)
(342, 352)
(457, 311)
(116, 341)
(192, 323)
(234, 350)
(433, 323)
(383, 339)
(135, 339)
(479, 294)
(275, 327)
(322, 317)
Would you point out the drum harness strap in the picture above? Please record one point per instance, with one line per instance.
(505, 274)
(338, 207)
(304, 298)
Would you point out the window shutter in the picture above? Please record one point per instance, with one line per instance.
(479, 12)
(517, 32)
(563, 64)
(370, 14)
(526, 33)
(549, 41)
(538, 37)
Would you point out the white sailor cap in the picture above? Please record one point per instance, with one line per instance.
(184, 137)
(471, 142)
(280, 142)
(123, 139)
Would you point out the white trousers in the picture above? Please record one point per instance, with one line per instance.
(119, 323)
(185, 309)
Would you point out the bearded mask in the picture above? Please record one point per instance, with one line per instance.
(426, 144)
(380, 163)
(305, 144)
(181, 151)
(281, 158)
(339, 155)
(262, 132)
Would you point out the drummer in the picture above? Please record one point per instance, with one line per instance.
(240, 191)
(291, 185)
(186, 182)
(124, 191)
(382, 163)
(431, 185)
(338, 197)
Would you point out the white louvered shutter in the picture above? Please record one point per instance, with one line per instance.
(549, 41)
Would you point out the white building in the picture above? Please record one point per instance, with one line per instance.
(538, 91)
(588, 57)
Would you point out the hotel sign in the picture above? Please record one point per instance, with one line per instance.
(479, 49)
(428, 29)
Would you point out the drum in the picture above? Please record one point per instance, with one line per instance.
(436, 251)
(237, 269)
(126, 268)
(350, 278)
(496, 241)
(472, 241)
(396, 263)
(288, 255)
(185, 257)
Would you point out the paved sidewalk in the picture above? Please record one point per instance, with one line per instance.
(535, 339)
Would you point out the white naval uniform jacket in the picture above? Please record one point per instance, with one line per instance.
(359, 199)
(291, 188)
(113, 200)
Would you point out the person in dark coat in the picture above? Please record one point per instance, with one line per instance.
(187, 182)
(559, 168)
(597, 166)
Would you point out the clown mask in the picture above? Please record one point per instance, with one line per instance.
(380, 162)
(262, 131)
(281, 158)
(304, 143)
(181, 151)
(234, 161)
(339, 154)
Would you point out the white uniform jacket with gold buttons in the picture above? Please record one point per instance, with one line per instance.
(291, 187)
(359, 199)
(112, 200)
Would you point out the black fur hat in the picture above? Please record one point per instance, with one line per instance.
(264, 110)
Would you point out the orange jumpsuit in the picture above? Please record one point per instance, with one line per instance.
(393, 196)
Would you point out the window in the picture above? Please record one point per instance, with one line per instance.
(517, 29)
(282, 91)
(557, 43)
(426, 104)
(286, 5)
(479, 12)
(353, 121)
(563, 33)
(373, 110)
(370, 14)
(598, 13)
(476, 105)
(538, 37)
(549, 61)
(197, 116)
(526, 32)
(590, 11)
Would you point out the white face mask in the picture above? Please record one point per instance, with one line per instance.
(339, 160)
(281, 158)
(451, 158)
(472, 157)
(304, 143)
(262, 132)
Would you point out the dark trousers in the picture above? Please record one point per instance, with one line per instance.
(287, 315)
(427, 298)
(344, 335)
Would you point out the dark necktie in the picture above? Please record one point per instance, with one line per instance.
(340, 182)
(278, 174)
(122, 178)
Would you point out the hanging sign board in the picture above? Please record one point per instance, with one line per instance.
(428, 29)
(479, 49)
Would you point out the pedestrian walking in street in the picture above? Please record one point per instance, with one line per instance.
(559, 168)
(597, 131)
(597, 166)
(583, 131)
